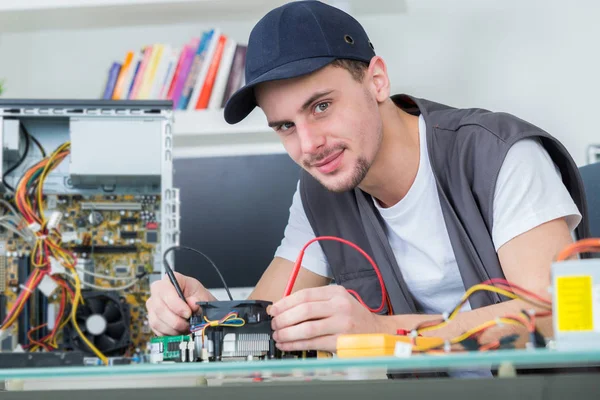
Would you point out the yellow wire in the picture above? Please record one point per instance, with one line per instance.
(472, 331)
(63, 256)
(214, 323)
(47, 168)
(467, 294)
(488, 324)
(15, 315)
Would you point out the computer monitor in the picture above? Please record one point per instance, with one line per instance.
(234, 209)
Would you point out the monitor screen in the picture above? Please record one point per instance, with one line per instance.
(234, 209)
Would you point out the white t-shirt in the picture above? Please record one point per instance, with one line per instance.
(529, 192)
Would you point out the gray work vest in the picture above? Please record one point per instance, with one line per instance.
(466, 150)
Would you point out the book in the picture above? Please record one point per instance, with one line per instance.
(150, 73)
(172, 60)
(211, 74)
(182, 72)
(218, 91)
(139, 76)
(126, 70)
(131, 79)
(197, 66)
(111, 81)
(236, 75)
(197, 75)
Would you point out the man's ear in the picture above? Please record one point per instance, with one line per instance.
(379, 81)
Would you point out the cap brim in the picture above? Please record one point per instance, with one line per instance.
(242, 102)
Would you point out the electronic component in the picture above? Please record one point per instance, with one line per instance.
(111, 206)
(24, 318)
(380, 345)
(225, 331)
(3, 265)
(129, 235)
(121, 270)
(151, 237)
(96, 186)
(95, 218)
(86, 270)
(104, 320)
(128, 163)
(104, 249)
(172, 349)
(576, 304)
(233, 330)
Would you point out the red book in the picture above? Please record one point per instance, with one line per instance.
(206, 91)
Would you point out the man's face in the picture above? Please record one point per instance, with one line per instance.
(328, 122)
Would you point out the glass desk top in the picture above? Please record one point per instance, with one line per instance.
(519, 359)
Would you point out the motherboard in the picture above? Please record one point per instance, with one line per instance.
(85, 219)
(114, 239)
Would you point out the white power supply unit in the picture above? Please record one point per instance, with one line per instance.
(576, 304)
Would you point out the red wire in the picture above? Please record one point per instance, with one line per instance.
(32, 282)
(298, 264)
(512, 285)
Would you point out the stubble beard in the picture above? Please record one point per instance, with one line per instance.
(346, 184)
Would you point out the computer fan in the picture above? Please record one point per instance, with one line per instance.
(104, 319)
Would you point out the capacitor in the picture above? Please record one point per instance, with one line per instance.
(95, 218)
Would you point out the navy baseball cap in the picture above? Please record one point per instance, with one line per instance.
(294, 40)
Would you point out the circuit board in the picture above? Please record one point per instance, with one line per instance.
(113, 237)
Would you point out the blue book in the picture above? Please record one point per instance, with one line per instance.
(111, 82)
(130, 88)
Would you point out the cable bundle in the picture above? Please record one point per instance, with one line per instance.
(231, 319)
(47, 253)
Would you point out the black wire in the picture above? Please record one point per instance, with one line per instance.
(172, 277)
(21, 160)
(38, 144)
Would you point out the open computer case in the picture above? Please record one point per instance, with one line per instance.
(87, 211)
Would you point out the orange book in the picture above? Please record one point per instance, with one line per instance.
(125, 70)
(209, 82)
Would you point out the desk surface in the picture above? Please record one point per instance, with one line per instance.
(579, 386)
(338, 368)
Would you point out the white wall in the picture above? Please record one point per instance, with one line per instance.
(537, 59)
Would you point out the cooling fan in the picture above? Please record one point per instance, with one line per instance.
(104, 320)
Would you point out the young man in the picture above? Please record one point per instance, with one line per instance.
(441, 198)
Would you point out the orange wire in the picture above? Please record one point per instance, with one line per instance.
(581, 246)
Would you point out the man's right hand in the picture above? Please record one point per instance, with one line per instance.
(167, 314)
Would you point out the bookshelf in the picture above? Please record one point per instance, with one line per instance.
(205, 133)
(39, 15)
(196, 132)
(211, 122)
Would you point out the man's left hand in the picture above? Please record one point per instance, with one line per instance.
(312, 319)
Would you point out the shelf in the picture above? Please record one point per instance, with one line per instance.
(39, 15)
(212, 122)
(205, 133)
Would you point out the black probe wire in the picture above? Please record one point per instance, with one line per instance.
(174, 280)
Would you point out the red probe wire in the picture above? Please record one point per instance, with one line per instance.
(298, 264)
